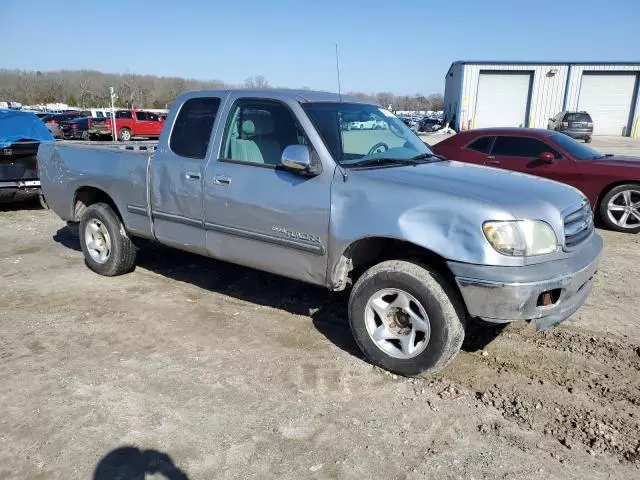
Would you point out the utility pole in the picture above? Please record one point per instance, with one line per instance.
(113, 112)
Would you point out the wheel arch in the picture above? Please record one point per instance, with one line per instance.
(365, 252)
(610, 187)
(88, 195)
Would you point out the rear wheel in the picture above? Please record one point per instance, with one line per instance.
(107, 248)
(86, 136)
(124, 134)
(406, 318)
(620, 208)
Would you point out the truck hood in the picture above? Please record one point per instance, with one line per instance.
(522, 195)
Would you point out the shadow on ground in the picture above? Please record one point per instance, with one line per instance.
(328, 310)
(131, 463)
(27, 204)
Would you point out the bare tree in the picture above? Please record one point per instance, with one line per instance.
(256, 82)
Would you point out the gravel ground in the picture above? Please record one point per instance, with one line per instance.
(198, 369)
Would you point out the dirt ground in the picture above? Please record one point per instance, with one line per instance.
(209, 370)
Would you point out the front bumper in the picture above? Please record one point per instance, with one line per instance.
(15, 190)
(505, 294)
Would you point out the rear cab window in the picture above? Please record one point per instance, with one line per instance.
(124, 114)
(577, 117)
(521, 147)
(193, 126)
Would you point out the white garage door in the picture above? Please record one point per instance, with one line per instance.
(607, 98)
(502, 99)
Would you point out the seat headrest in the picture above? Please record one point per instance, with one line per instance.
(257, 125)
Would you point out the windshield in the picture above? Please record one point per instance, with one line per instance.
(355, 132)
(578, 150)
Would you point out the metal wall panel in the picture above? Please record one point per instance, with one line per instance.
(547, 93)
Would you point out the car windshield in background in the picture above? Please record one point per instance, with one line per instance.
(356, 133)
(578, 150)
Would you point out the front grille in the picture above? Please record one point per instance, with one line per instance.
(578, 226)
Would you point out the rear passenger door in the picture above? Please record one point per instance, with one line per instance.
(477, 151)
(177, 175)
(520, 154)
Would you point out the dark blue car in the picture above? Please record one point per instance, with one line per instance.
(20, 137)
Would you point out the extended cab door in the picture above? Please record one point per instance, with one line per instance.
(177, 174)
(256, 212)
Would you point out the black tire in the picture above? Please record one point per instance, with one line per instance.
(124, 135)
(122, 255)
(604, 204)
(440, 301)
(43, 202)
(587, 140)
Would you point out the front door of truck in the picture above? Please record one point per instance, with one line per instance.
(257, 213)
(177, 175)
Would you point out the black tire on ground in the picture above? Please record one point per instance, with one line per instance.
(604, 203)
(122, 255)
(587, 140)
(124, 135)
(440, 301)
(43, 202)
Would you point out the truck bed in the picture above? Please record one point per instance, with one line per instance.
(112, 168)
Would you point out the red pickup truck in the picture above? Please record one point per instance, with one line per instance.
(132, 123)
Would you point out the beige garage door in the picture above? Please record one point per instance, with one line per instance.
(607, 98)
(502, 99)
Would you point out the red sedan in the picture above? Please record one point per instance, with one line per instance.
(610, 182)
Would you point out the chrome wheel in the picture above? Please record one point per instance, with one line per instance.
(125, 135)
(624, 209)
(397, 323)
(97, 240)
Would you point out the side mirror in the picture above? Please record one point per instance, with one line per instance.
(547, 157)
(551, 119)
(298, 159)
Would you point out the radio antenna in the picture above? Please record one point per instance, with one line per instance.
(338, 71)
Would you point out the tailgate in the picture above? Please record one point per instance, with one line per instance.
(19, 162)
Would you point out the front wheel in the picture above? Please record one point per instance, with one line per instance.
(620, 208)
(107, 248)
(406, 318)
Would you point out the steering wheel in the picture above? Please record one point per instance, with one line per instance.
(377, 148)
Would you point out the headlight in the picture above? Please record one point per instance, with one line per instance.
(521, 237)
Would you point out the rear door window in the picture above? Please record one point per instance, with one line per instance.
(124, 114)
(481, 145)
(192, 129)
(520, 147)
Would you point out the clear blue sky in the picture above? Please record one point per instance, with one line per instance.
(402, 46)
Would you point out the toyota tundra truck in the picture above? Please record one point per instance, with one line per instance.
(269, 179)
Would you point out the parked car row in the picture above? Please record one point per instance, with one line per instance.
(84, 125)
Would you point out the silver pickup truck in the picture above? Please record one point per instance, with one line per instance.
(276, 180)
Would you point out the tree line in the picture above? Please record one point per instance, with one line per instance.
(90, 88)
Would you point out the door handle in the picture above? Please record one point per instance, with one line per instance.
(221, 180)
(192, 176)
(493, 161)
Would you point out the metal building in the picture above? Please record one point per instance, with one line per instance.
(527, 94)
